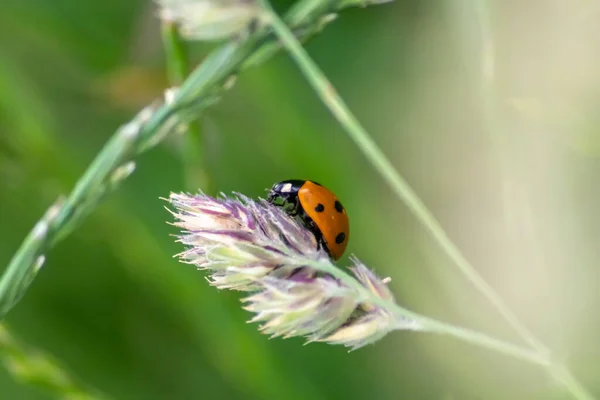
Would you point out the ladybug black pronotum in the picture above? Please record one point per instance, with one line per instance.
(318, 208)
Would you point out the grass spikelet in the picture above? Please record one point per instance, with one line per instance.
(253, 246)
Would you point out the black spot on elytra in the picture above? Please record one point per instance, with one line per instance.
(320, 208)
(340, 238)
(338, 206)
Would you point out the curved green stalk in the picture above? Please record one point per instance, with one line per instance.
(402, 189)
(201, 89)
(433, 325)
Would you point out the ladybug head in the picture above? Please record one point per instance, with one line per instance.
(285, 188)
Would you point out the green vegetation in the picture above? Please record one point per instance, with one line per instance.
(488, 112)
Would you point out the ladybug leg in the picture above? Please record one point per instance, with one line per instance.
(321, 244)
(295, 209)
(288, 203)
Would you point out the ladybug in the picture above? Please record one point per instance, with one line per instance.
(319, 210)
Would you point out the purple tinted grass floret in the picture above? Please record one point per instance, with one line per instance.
(253, 246)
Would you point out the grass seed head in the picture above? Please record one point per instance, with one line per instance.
(254, 246)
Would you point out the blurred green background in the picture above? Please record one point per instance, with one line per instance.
(516, 188)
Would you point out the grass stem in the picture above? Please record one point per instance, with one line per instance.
(435, 326)
(197, 92)
(402, 189)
